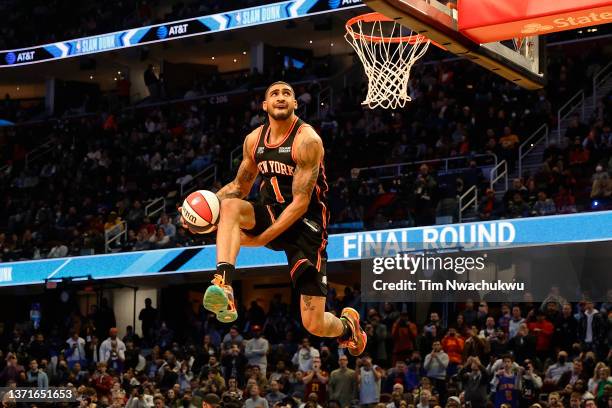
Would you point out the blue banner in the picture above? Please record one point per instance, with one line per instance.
(585, 227)
(230, 20)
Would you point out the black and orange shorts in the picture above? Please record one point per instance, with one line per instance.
(304, 243)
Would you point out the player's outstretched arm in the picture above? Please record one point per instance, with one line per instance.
(309, 155)
(247, 172)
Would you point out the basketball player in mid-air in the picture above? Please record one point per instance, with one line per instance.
(291, 215)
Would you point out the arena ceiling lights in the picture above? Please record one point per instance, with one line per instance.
(214, 23)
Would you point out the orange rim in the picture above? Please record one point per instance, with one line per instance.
(379, 17)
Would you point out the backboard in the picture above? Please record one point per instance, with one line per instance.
(522, 61)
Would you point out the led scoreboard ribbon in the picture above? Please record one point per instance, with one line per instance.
(512, 233)
(173, 30)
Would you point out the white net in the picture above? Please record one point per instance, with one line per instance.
(387, 58)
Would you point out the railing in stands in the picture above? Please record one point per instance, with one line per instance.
(209, 173)
(395, 170)
(115, 234)
(528, 145)
(38, 152)
(156, 206)
(496, 176)
(217, 95)
(575, 102)
(466, 200)
(599, 78)
(235, 157)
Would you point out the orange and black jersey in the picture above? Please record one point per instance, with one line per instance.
(276, 165)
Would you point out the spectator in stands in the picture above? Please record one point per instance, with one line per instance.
(424, 190)
(152, 82)
(234, 363)
(305, 355)
(488, 207)
(475, 381)
(523, 344)
(477, 343)
(369, 379)
(397, 375)
(274, 395)
(557, 370)
(509, 144)
(507, 384)
(233, 337)
(571, 377)
(148, 317)
(515, 322)
(543, 330)
(517, 207)
(453, 344)
(256, 350)
(102, 381)
(601, 381)
(39, 349)
(112, 347)
(343, 383)
(75, 352)
(544, 205)
(435, 365)
(592, 331)
(531, 383)
(566, 329)
(601, 188)
(565, 202)
(36, 378)
(404, 334)
(255, 400)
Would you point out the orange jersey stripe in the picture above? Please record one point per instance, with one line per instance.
(323, 244)
(274, 146)
(297, 264)
(271, 213)
(257, 143)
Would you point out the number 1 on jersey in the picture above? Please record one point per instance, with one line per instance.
(277, 192)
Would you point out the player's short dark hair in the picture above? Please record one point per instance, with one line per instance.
(278, 83)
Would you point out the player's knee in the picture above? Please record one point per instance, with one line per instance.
(230, 207)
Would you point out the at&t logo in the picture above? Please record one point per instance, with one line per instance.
(10, 58)
(162, 32)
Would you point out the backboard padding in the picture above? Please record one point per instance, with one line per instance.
(438, 22)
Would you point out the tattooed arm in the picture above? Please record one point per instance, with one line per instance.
(308, 155)
(247, 172)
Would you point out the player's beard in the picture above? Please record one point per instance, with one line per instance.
(283, 115)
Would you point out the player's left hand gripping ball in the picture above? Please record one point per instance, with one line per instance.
(200, 212)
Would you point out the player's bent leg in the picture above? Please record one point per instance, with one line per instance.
(235, 215)
(316, 320)
(324, 324)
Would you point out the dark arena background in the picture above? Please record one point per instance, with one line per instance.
(499, 136)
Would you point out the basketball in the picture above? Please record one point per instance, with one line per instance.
(201, 211)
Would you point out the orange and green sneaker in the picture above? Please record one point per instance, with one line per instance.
(219, 299)
(357, 343)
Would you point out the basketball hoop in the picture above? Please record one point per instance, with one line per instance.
(387, 56)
